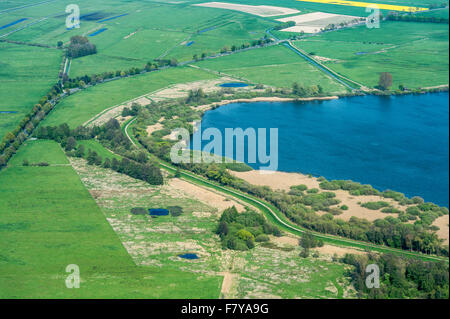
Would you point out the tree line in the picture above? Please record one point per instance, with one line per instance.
(133, 163)
(394, 16)
(12, 140)
(400, 277)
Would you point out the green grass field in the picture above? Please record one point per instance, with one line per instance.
(416, 54)
(49, 220)
(26, 75)
(80, 107)
(95, 146)
(39, 151)
(276, 66)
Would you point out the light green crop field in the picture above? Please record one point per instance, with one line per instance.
(277, 66)
(26, 75)
(49, 220)
(416, 54)
(82, 106)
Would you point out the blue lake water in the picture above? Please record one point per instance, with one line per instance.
(399, 143)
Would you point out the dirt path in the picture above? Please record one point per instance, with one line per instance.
(227, 283)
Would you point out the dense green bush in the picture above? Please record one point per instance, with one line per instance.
(375, 205)
(139, 211)
(175, 211)
(238, 231)
(400, 277)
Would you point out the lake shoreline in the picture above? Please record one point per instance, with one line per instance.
(374, 146)
(212, 106)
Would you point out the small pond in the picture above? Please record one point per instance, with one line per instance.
(233, 85)
(189, 256)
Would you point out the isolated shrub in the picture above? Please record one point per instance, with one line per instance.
(413, 210)
(175, 211)
(375, 205)
(344, 207)
(139, 211)
(262, 238)
(390, 210)
(329, 185)
(300, 187)
(41, 164)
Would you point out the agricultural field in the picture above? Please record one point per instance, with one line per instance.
(275, 66)
(62, 225)
(416, 54)
(82, 106)
(26, 75)
(56, 210)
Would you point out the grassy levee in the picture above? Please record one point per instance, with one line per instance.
(277, 217)
(49, 220)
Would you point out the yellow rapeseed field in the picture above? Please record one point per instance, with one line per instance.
(367, 4)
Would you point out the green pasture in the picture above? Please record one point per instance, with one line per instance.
(82, 106)
(26, 75)
(39, 151)
(95, 146)
(48, 220)
(276, 66)
(416, 54)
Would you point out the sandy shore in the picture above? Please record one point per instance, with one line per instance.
(443, 232)
(283, 181)
(264, 99)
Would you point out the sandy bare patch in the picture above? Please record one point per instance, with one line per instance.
(227, 283)
(263, 99)
(442, 222)
(262, 11)
(339, 251)
(155, 127)
(355, 209)
(285, 240)
(182, 90)
(208, 197)
(130, 35)
(276, 180)
(283, 181)
(316, 21)
(324, 59)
